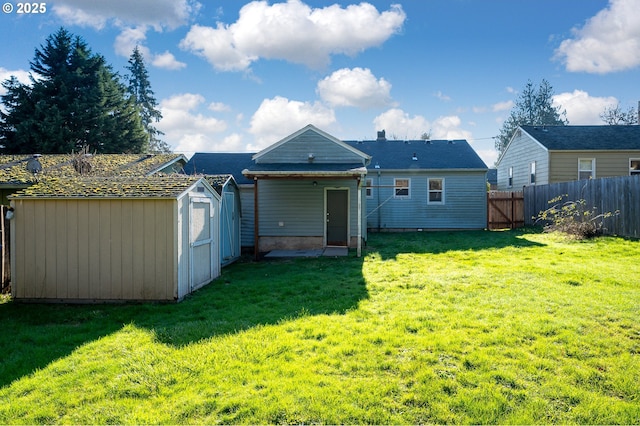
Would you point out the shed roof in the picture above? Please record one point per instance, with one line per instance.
(170, 186)
(583, 138)
(13, 168)
(420, 154)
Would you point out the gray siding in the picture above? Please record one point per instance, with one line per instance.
(248, 214)
(519, 154)
(465, 201)
(297, 150)
(297, 208)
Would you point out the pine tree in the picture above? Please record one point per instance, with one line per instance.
(140, 90)
(533, 107)
(74, 100)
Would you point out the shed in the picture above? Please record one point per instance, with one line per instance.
(230, 217)
(104, 239)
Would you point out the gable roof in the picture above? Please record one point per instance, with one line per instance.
(169, 186)
(14, 169)
(220, 163)
(435, 154)
(310, 128)
(585, 138)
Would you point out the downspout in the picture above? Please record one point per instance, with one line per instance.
(256, 227)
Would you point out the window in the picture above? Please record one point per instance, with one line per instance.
(368, 188)
(401, 187)
(634, 166)
(510, 177)
(532, 173)
(586, 168)
(436, 190)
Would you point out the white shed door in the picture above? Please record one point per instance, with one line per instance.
(201, 238)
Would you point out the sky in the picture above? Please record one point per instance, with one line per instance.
(238, 76)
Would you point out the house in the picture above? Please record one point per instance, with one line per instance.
(402, 185)
(538, 155)
(21, 171)
(98, 239)
(230, 217)
(308, 191)
(424, 185)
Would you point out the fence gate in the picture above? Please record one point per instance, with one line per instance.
(505, 209)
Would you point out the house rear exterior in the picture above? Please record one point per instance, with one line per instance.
(538, 155)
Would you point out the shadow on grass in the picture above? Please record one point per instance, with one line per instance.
(246, 295)
(388, 245)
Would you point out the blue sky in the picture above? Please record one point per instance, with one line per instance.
(237, 76)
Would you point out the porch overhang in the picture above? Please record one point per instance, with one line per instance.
(308, 171)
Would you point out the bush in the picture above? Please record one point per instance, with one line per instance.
(573, 218)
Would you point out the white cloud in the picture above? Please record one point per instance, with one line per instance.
(356, 87)
(130, 38)
(399, 125)
(185, 129)
(167, 61)
(97, 14)
(442, 96)
(21, 75)
(582, 108)
(294, 32)
(503, 106)
(219, 107)
(448, 127)
(608, 42)
(278, 117)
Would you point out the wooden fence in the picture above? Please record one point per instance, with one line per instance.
(615, 194)
(505, 209)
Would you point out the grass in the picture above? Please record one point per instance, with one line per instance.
(452, 327)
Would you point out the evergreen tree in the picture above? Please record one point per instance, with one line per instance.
(140, 90)
(74, 100)
(533, 107)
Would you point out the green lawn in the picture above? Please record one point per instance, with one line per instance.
(449, 327)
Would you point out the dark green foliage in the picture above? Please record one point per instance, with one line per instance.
(74, 100)
(533, 107)
(140, 90)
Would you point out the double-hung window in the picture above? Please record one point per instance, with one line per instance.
(510, 183)
(634, 166)
(586, 168)
(532, 173)
(436, 190)
(402, 188)
(368, 188)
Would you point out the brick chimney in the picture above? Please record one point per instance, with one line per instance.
(382, 135)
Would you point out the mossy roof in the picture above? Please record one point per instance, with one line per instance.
(157, 186)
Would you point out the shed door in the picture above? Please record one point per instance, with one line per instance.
(201, 241)
(337, 217)
(230, 236)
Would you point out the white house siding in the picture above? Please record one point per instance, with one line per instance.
(520, 153)
(465, 204)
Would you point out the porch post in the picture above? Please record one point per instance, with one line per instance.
(256, 227)
(359, 243)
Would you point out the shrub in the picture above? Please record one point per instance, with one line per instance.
(573, 218)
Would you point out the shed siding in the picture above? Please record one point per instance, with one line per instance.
(564, 165)
(94, 249)
(519, 154)
(248, 215)
(464, 206)
(297, 150)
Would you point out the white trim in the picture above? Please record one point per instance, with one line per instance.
(637, 171)
(442, 191)
(396, 187)
(593, 166)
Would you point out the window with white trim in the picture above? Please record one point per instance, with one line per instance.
(402, 188)
(532, 173)
(436, 190)
(368, 188)
(510, 183)
(586, 168)
(634, 166)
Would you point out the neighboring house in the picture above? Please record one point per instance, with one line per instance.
(301, 177)
(309, 189)
(90, 239)
(538, 155)
(424, 184)
(230, 163)
(21, 171)
(230, 208)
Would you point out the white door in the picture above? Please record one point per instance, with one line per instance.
(201, 242)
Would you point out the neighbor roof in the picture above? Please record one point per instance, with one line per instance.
(436, 154)
(580, 138)
(169, 186)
